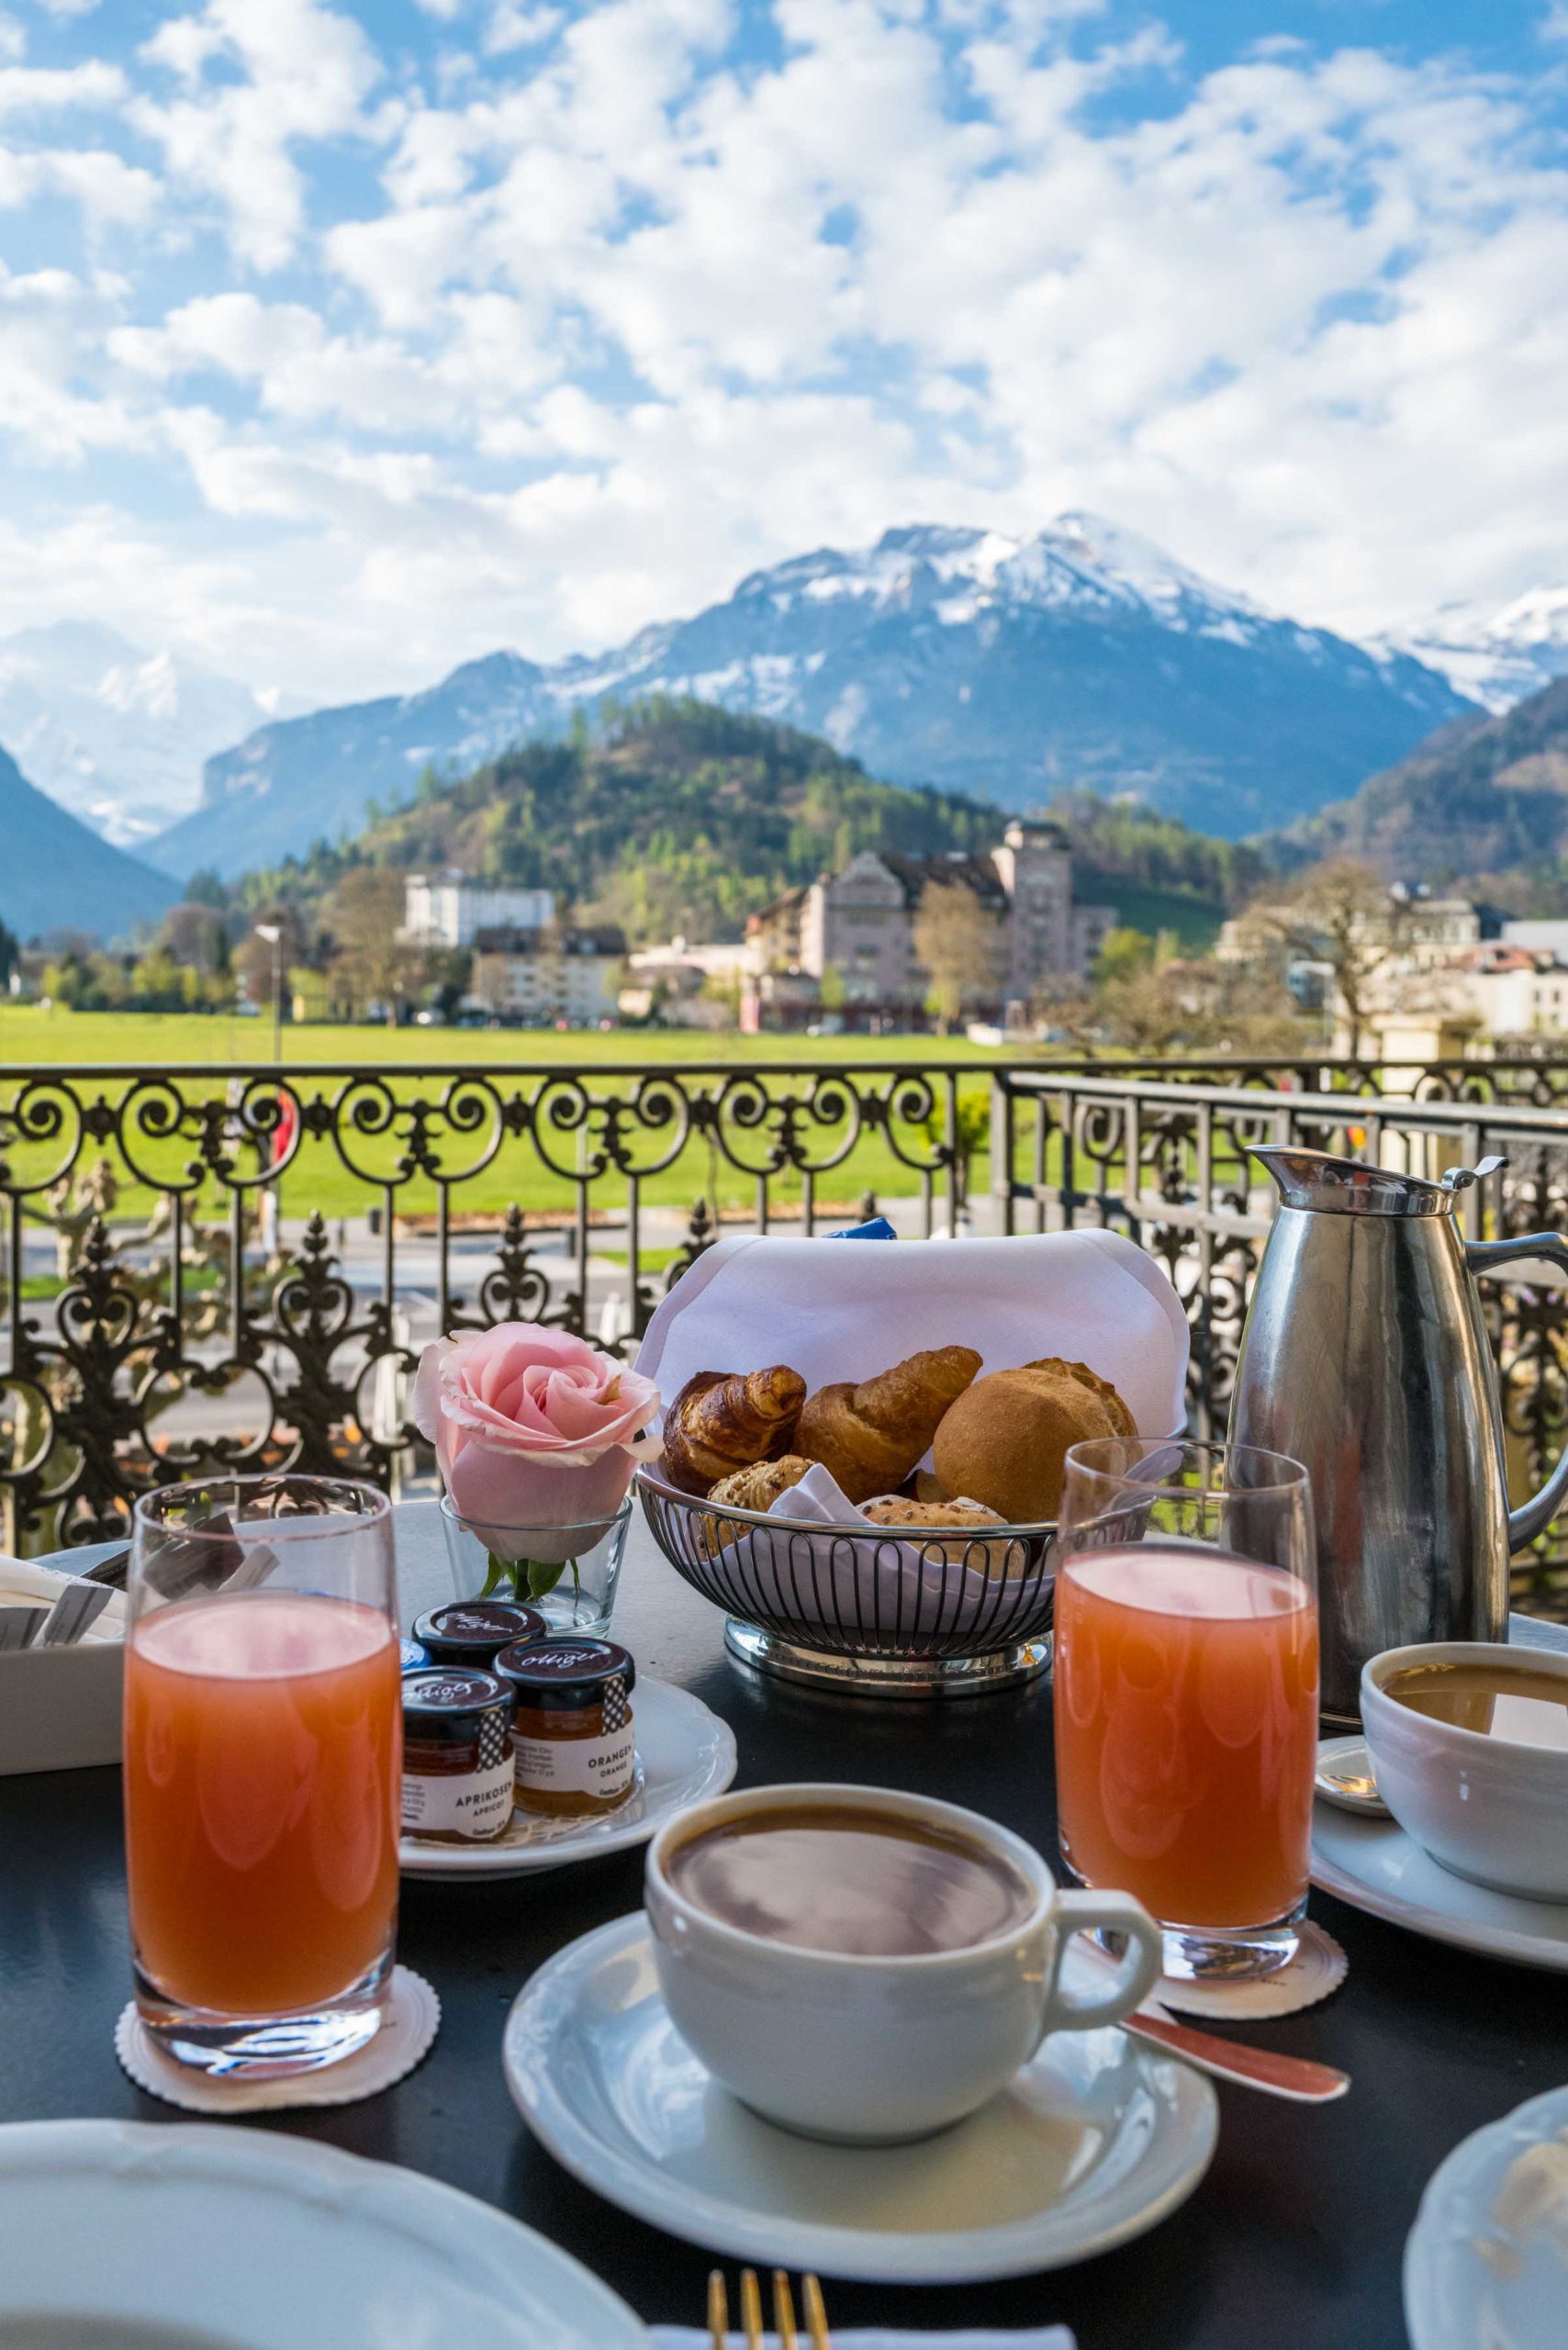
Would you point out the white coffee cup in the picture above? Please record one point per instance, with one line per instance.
(1486, 1807)
(877, 2049)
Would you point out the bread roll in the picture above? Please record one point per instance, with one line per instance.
(756, 1488)
(964, 1521)
(1005, 1440)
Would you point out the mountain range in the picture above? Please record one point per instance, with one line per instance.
(58, 874)
(1083, 658)
(116, 735)
(1484, 798)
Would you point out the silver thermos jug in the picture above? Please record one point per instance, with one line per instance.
(1364, 1357)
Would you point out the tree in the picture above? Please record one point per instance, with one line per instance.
(1340, 913)
(1124, 952)
(206, 888)
(366, 910)
(193, 934)
(960, 946)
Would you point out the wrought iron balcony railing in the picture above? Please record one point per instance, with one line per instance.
(210, 1267)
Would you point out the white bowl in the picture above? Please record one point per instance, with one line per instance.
(1487, 1808)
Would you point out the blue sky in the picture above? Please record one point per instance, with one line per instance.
(339, 342)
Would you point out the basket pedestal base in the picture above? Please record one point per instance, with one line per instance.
(920, 1677)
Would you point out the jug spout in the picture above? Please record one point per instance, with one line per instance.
(1315, 1178)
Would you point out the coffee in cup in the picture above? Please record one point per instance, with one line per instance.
(864, 1966)
(843, 1877)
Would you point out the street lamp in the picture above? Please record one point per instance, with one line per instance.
(272, 932)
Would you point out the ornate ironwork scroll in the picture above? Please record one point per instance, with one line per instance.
(215, 1269)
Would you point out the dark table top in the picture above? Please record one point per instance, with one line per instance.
(1296, 2235)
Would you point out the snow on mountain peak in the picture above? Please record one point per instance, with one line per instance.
(1496, 655)
(116, 734)
(1080, 559)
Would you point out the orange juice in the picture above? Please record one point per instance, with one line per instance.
(263, 1762)
(1186, 1729)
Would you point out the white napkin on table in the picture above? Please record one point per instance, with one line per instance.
(833, 1311)
(1050, 2337)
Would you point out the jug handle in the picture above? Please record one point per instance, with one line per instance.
(1535, 1516)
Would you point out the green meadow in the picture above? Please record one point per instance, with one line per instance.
(485, 1171)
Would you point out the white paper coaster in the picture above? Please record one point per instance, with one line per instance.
(1318, 1967)
(408, 2028)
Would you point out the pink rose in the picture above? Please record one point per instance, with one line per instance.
(532, 1428)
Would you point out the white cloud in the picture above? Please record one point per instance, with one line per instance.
(108, 191)
(37, 89)
(585, 315)
(305, 71)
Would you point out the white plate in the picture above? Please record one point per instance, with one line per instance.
(1350, 1756)
(1093, 2142)
(126, 2235)
(1373, 1865)
(684, 1753)
(1484, 2263)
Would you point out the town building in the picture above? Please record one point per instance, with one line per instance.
(853, 932)
(538, 976)
(451, 909)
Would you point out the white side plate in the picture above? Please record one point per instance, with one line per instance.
(1094, 2140)
(1373, 1865)
(127, 2235)
(1483, 2261)
(685, 1752)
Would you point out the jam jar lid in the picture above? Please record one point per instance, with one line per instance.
(472, 1632)
(562, 1676)
(411, 1655)
(447, 1706)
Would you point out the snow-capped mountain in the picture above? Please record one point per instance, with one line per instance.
(1497, 656)
(1007, 667)
(117, 735)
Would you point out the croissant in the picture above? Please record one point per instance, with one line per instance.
(871, 1435)
(726, 1420)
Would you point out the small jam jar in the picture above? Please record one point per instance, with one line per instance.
(474, 1631)
(412, 1656)
(457, 1765)
(571, 1739)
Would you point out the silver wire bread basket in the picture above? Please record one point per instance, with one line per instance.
(871, 1611)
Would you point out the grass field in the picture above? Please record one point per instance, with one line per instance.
(137, 1045)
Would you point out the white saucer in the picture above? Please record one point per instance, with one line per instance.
(684, 1753)
(1351, 1757)
(1483, 2261)
(1373, 1865)
(1095, 2139)
(122, 2235)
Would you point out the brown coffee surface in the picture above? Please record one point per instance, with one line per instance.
(863, 1882)
(1528, 1707)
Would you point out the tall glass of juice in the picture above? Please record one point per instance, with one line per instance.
(262, 1769)
(1187, 1693)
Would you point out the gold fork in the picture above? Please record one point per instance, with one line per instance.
(783, 2312)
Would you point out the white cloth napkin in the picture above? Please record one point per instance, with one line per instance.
(1049, 2337)
(942, 1586)
(836, 1312)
